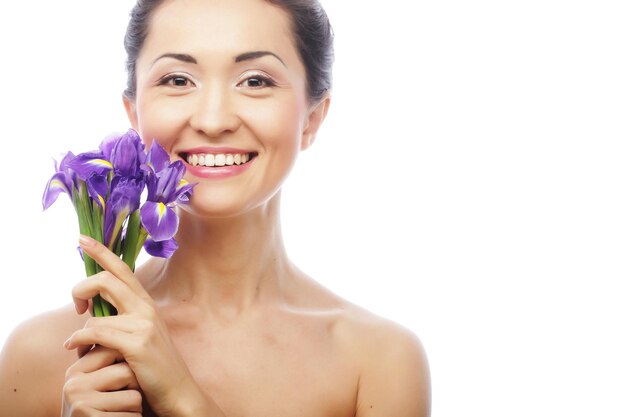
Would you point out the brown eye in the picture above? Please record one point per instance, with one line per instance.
(256, 82)
(176, 81)
(180, 82)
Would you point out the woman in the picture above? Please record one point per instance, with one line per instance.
(227, 326)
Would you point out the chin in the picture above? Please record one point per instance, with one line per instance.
(209, 205)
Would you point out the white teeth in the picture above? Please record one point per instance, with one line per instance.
(219, 160)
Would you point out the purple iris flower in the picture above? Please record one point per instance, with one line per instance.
(159, 219)
(123, 200)
(126, 154)
(157, 163)
(165, 186)
(106, 187)
(114, 176)
(122, 154)
(62, 181)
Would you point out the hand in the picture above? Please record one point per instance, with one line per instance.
(138, 333)
(99, 383)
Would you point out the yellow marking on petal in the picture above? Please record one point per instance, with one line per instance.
(119, 221)
(101, 162)
(57, 183)
(182, 183)
(161, 209)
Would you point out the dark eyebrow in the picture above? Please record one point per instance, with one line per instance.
(181, 57)
(257, 54)
(246, 56)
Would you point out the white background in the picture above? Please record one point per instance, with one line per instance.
(468, 184)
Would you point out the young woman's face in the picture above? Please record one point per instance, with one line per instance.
(220, 86)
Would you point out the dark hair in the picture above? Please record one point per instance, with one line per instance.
(313, 37)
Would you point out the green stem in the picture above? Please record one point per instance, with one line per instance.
(136, 235)
(98, 222)
(83, 226)
(97, 306)
(90, 223)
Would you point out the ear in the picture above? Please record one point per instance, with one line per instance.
(131, 112)
(313, 122)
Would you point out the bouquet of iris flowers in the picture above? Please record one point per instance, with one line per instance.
(106, 188)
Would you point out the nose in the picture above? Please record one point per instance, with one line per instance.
(215, 113)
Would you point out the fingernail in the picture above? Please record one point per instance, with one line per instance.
(67, 343)
(86, 241)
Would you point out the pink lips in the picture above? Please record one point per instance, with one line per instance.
(216, 172)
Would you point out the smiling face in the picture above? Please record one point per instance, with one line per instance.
(220, 86)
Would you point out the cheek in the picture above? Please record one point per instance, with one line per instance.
(277, 124)
(157, 120)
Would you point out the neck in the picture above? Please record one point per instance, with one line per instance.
(226, 264)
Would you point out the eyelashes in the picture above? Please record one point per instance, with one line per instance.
(254, 81)
(175, 80)
(258, 81)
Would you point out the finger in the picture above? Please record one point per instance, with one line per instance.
(97, 358)
(105, 336)
(111, 262)
(111, 321)
(83, 350)
(109, 287)
(125, 400)
(83, 305)
(125, 324)
(114, 377)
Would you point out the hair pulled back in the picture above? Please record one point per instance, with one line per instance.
(313, 36)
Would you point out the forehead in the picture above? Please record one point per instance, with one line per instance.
(214, 28)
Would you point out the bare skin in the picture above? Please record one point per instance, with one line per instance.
(228, 326)
(302, 352)
(316, 355)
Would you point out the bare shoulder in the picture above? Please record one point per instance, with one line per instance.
(394, 378)
(392, 375)
(33, 363)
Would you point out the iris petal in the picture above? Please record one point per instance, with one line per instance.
(98, 187)
(183, 191)
(56, 185)
(163, 185)
(128, 155)
(160, 221)
(123, 200)
(86, 164)
(157, 159)
(63, 165)
(162, 249)
(107, 145)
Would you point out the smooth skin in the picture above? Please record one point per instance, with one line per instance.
(228, 326)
